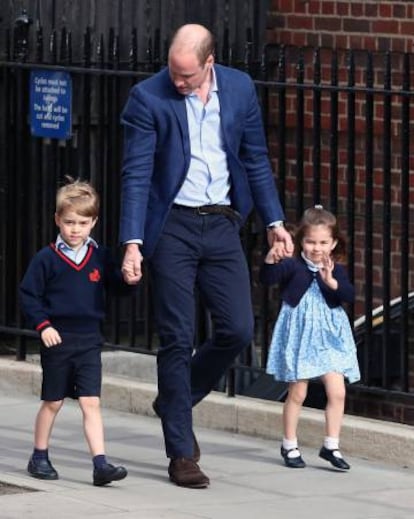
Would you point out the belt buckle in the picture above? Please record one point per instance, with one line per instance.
(200, 212)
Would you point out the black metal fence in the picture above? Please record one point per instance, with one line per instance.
(338, 126)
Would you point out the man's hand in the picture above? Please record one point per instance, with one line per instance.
(276, 253)
(131, 266)
(280, 234)
(50, 337)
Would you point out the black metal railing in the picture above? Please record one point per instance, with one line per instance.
(338, 127)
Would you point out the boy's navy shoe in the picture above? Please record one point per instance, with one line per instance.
(41, 469)
(107, 474)
(337, 461)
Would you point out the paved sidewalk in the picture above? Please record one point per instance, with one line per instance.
(247, 477)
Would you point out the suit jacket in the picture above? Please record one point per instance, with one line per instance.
(157, 153)
(294, 278)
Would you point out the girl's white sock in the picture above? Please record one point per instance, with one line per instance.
(333, 445)
(289, 445)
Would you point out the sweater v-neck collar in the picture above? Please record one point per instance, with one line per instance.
(71, 263)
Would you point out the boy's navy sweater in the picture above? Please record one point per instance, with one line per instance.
(57, 292)
(294, 278)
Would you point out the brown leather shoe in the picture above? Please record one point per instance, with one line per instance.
(185, 472)
(196, 447)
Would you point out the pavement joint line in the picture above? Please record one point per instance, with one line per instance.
(361, 437)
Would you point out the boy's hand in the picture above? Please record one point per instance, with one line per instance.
(50, 337)
(131, 266)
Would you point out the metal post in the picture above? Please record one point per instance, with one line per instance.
(20, 53)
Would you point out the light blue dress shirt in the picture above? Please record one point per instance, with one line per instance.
(208, 178)
(77, 256)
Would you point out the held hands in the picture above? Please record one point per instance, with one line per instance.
(131, 266)
(50, 337)
(280, 243)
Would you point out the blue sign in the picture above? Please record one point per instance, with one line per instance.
(50, 104)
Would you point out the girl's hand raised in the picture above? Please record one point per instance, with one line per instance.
(326, 272)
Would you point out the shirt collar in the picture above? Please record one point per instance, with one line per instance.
(310, 264)
(213, 84)
(62, 245)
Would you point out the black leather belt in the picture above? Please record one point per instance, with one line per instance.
(203, 210)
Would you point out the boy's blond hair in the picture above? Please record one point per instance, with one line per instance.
(79, 196)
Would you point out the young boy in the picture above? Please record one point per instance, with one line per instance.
(62, 297)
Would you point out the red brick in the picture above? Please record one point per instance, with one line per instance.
(298, 38)
(300, 6)
(343, 8)
(355, 42)
(341, 41)
(407, 27)
(370, 43)
(328, 8)
(399, 11)
(385, 10)
(314, 39)
(398, 45)
(385, 27)
(283, 37)
(285, 6)
(314, 7)
(371, 10)
(357, 9)
(353, 25)
(384, 43)
(327, 24)
(300, 22)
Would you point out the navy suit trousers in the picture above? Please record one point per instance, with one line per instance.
(196, 253)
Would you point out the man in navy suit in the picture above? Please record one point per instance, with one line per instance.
(195, 162)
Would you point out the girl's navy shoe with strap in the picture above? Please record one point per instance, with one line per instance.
(334, 457)
(293, 462)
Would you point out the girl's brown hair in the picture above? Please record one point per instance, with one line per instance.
(317, 215)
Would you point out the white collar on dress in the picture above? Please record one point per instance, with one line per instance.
(310, 264)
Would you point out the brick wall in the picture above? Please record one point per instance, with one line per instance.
(375, 26)
(363, 24)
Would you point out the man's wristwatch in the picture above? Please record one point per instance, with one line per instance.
(275, 225)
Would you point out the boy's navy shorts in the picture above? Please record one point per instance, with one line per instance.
(72, 368)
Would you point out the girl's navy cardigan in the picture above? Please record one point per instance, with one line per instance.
(294, 278)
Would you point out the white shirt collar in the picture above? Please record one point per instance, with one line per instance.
(62, 245)
(310, 264)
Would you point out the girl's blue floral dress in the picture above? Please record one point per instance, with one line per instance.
(312, 339)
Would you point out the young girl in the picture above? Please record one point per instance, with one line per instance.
(312, 336)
